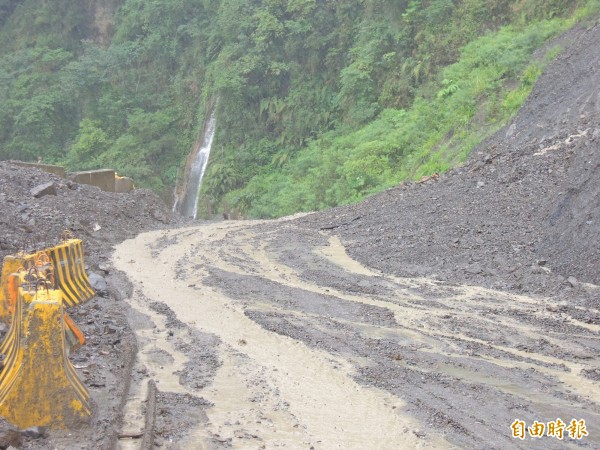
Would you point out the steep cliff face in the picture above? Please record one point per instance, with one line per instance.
(57, 24)
(6, 9)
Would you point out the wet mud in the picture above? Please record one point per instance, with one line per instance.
(309, 348)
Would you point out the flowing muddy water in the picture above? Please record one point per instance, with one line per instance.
(310, 349)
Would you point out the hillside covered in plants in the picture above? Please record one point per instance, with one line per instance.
(318, 103)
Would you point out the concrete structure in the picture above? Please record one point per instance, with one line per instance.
(123, 184)
(56, 170)
(103, 178)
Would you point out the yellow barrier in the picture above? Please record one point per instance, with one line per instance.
(11, 265)
(70, 271)
(71, 278)
(39, 385)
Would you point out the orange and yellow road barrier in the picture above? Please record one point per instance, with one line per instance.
(70, 271)
(39, 385)
(71, 278)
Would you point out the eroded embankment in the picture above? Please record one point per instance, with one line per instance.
(305, 347)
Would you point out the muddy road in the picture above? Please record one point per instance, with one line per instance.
(268, 335)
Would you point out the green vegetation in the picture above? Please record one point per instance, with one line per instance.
(319, 103)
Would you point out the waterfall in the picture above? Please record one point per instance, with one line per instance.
(187, 205)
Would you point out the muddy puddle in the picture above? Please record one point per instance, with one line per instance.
(313, 350)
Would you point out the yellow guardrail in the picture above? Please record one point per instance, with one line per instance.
(71, 278)
(39, 385)
(70, 271)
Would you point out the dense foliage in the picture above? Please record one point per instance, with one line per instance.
(318, 102)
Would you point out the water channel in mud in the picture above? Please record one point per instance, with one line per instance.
(315, 350)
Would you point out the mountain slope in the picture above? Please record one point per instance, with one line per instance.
(528, 194)
(283, 297)
(306, 90)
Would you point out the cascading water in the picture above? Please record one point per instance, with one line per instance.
(187, 205)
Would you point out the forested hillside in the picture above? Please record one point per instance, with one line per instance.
(318, 102)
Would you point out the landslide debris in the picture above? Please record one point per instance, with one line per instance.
(523, 214)
(36, 207)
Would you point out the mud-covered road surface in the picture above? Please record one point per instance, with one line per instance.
(432, 315)
(268, 335)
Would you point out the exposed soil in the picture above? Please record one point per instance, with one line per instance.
(431, 315)
(100, 219)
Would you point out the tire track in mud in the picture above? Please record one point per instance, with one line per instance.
(317, 350)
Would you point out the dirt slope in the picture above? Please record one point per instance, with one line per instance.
(100, 219)
(529, 194)
(522, 216)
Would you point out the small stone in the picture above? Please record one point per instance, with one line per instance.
(9, 436)
(478, 165)
(35, 432)
(109, 329)
(98, 283)
(572, 281)
(158, 215)
(474, 269)
(26, 228)
(536, 269)
(44, 189)
(511, 130)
